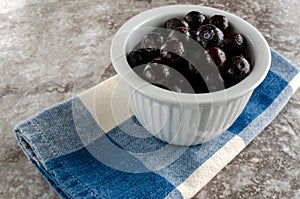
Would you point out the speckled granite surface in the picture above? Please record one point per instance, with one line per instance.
(51, 50)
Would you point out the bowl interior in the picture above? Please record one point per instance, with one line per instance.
(132, 32)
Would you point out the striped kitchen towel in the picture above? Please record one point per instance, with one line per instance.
(92, 146)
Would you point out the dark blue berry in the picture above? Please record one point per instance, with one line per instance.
(236, 69)
(195, 19)
(156, 73)
(209, 35)
(172, 50)
(234, 43)
(140, 56)
(220, 21)
(174, 23)
(214, 82)
(216, 57)
(152, 41)
(180, 33)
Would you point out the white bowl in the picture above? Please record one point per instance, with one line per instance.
(181, 118)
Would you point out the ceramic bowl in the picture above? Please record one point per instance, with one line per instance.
(182, 118)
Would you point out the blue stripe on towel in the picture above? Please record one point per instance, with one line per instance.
(131, 136)
(48, 177)
(259, 101)
(86, 176)
(261, 121)
(282, 67)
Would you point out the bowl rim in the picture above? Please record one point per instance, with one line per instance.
(259, 71)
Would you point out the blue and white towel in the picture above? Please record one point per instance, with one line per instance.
(91, 146)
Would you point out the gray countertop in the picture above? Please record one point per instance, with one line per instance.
(49, 51)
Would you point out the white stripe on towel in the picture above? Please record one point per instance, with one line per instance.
(201, 176)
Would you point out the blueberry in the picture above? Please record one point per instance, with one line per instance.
(209, 35)
(193, 33)
(216, 57)
(152, 41)
(180, 33)
(174, 23)
(156, 73)
(163, 32)
(195, 19)
(205, 77)
(234, 43)
(214, 82)
(236, 69)
(172, 50)
(220, 21)
(140, 56)
(195, 78)
(179, 83)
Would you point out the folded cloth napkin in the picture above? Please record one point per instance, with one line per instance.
(92, 146)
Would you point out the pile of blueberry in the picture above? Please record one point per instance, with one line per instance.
(196, 54)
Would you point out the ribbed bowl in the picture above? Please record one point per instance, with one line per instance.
(181, 124)
(181, 118)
